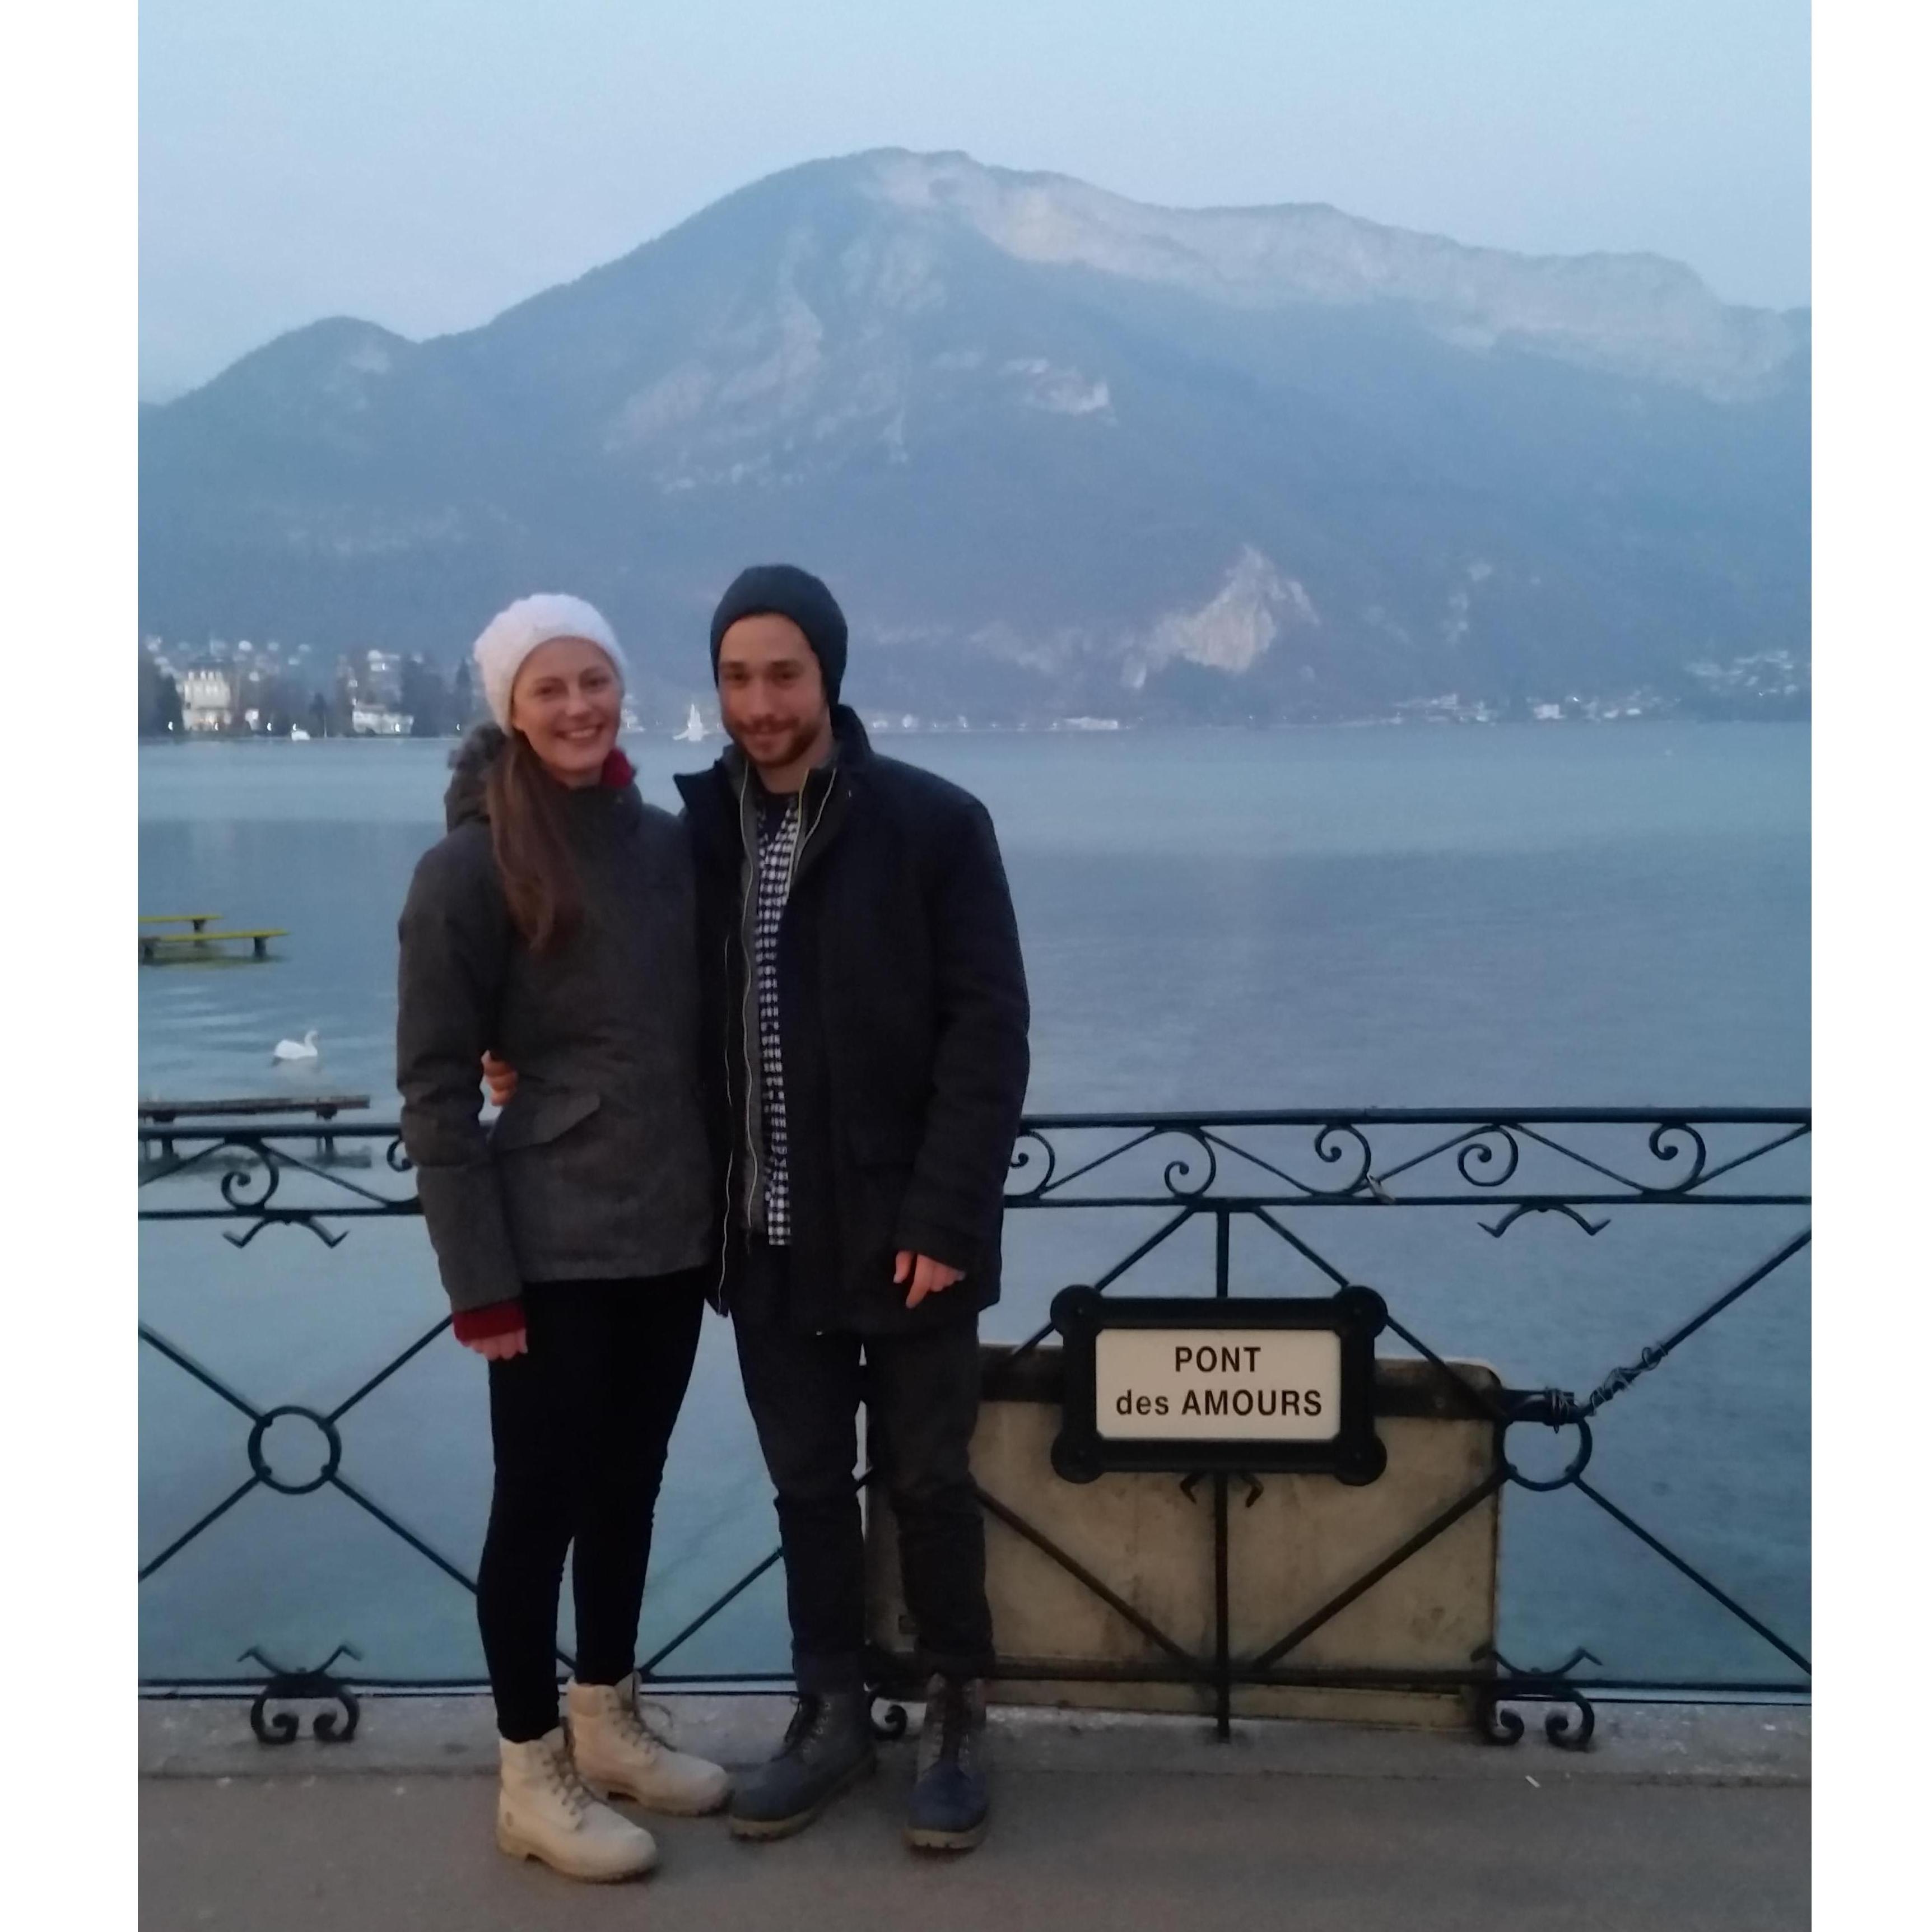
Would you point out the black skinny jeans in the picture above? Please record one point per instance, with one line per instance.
(921, 1396)
(580, 1425)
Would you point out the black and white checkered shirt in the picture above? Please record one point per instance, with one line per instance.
(778, 846)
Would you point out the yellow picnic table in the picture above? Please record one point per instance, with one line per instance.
(196, 920)
(151, 942)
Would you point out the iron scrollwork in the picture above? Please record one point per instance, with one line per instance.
(287, 1217)
(1663, 1151)
(1330, 1146)
(317, 1685)
(1193, 1168)
(262, 1169)
(1497, 1724)
(1032, 1149)
(250, 1187)
(1500, 1228)
(1174, 1176)
(1478, 1150)
(890, 1728)
(885, 1682)
(1330, 1150)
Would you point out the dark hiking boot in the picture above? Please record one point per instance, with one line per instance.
(828, 1749)
(949, 1809)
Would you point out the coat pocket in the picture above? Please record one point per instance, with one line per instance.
(535, 1117)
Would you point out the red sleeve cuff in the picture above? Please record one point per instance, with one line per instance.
(495, 1318)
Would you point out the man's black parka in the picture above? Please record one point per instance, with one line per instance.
(903, 1015)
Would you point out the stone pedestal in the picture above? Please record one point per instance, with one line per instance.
(1292, 1545)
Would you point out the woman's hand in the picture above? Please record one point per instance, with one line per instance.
(500, 1077)
(501, 1347)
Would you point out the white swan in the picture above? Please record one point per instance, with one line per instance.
(304, 1048)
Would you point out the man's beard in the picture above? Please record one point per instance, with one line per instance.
(791, 748)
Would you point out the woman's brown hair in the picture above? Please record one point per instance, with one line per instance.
(525, 808)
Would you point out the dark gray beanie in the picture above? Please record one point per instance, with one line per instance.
(784, 590)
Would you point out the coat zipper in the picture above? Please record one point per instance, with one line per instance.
(745, 998)
(798, 850)
(731, 1156)
(798, 853)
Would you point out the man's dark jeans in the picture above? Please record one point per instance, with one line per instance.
(921, 1397)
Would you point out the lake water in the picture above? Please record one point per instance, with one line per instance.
(1476, 918)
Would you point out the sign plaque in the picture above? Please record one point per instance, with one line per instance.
(1176, 1383)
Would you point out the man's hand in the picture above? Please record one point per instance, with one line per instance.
(500, 1077)
(501, 1347)
(927, 1276)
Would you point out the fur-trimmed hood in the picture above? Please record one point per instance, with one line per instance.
(469, 773)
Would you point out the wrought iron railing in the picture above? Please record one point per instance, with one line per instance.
(1282, 1174)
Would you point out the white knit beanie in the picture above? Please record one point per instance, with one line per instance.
(511, 636)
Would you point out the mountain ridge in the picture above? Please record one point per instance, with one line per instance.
(1055, 449)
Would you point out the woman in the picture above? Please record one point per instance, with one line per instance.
(555, 922)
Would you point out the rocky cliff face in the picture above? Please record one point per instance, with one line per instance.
(1638, 315)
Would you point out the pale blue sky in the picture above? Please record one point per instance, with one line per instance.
(426, 163)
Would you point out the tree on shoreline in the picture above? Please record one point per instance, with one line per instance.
(158, 705)
(462, 697)
(425, 698)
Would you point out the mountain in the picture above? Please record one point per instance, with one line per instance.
(1056, 451)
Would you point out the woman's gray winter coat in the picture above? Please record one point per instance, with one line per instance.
(598, 1168)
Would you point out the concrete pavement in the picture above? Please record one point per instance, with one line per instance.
(1682, 1820)
(1069, 1850)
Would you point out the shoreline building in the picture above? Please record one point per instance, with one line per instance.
(208, 698)
(379, 721)
(369, 687)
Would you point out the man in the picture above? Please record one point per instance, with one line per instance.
(867, 1021)
(871, 1010)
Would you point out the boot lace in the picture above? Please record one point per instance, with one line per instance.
(635, 1731)
(805, 1720)
(562, 1779)
(939, 1735)
(946, 1735)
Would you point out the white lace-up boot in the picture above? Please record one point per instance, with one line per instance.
(545, 1810)
(617, 1753)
